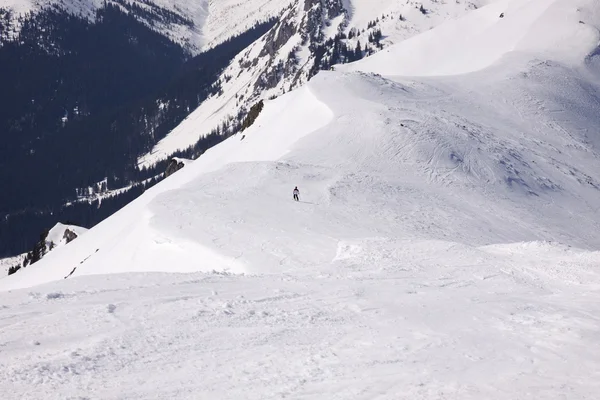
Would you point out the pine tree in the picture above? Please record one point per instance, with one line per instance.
(39, 250)
(13, 269)
(358, 54)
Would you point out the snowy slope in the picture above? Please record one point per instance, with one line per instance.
(151, 248)
(266, 69)
(445, 245)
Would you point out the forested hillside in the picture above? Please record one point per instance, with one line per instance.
(81, 100)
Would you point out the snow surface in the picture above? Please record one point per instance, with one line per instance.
(18, 6)
(445, 246)
(240, 82)
(390, 321)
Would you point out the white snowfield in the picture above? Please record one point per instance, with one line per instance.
(445, 245)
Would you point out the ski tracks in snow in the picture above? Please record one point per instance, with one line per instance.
(416, 315)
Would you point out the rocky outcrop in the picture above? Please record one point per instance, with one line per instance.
(69, 235)
(58, 236)
(277, 38)
(175, 164)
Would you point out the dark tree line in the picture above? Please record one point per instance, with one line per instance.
(154, 13)
(336, 51)
(22, 230)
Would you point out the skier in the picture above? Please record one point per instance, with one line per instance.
(296, 194)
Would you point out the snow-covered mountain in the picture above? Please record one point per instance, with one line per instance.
(445, 245)
(512, 144)
(179, 20)
(195, 24)
(311, 35)
(57, 117)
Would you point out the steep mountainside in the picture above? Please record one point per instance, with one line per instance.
(311, 35)
(445, 245)
(95, 87)
(195, 25)
(179, 20)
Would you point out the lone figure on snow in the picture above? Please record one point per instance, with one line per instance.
(296, 194)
